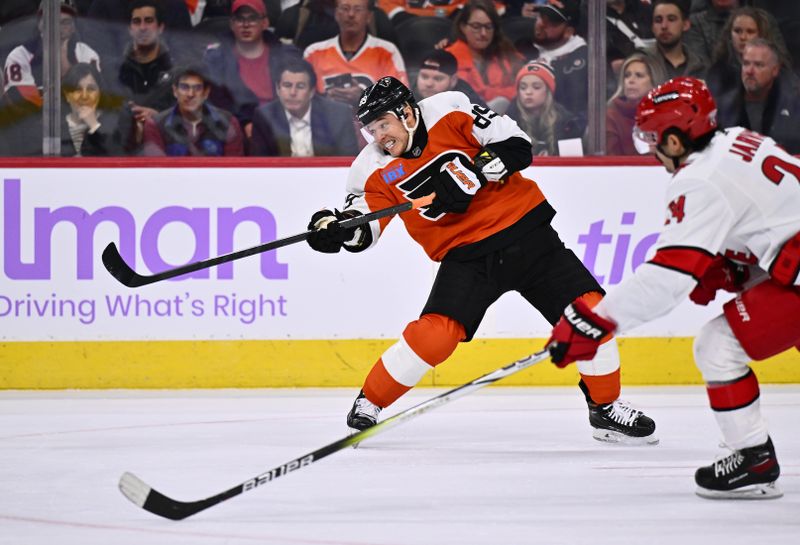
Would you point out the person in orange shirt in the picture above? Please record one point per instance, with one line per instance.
(353, 59)
(400, 10)
(486, 58)
(488, 226)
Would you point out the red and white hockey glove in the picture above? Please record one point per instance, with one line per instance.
(455, 186)
(578, 334)
(721, 274)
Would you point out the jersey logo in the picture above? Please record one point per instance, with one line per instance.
(418, 184)
(676, 210)
(460, 176)
(394, 174)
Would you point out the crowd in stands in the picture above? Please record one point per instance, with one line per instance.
(283, 77)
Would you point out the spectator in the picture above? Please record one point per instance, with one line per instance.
(638, 75)
(401, 10)
(556, 42)
(21, 103)
(312, 21)
(91, 124)
(743, 25)
(670, 23)
(628, 29)
(301, 123)
(706, 26)
(242, 70)
(767, 99)
(192, 127)
(353, 60)
(487, 60)
(145, 72)
(538, 114)
(23, 66)
(108, 18)
(439, 72)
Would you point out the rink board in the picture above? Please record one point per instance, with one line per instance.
(291, 317)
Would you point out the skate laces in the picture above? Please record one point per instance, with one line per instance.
(728, 464)
(621, 412)
(364, 407)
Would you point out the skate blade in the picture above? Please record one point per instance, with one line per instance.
(610, 436)
(351, 432)
(769, 491)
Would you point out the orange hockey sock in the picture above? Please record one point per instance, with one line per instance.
(602, 388)
(425, 343)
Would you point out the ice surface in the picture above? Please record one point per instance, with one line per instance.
(500, 466)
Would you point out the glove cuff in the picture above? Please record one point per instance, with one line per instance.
(586, 322)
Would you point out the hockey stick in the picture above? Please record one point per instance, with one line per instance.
(120, 270)
(140, 493)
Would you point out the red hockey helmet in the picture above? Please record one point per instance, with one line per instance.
(683, 103)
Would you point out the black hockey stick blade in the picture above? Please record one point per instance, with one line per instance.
(140, 493)
(120, 270)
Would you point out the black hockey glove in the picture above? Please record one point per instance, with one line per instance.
(328, 236)
(455, 186)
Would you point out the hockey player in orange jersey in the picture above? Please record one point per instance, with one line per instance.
(488, 226)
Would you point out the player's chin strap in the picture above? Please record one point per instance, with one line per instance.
(410, 130)
(676, 160)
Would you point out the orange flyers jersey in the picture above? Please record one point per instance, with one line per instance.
(455, 128)
(420, 8)
(376, 58)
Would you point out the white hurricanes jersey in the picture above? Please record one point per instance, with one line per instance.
(739, 197)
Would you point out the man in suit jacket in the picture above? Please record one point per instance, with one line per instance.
(300, 123)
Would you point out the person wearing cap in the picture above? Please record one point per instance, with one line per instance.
(192, 127)
(243, 70)
(21, 102)
(486, 58)
(538, 114)
(556, 42)
(438, 73)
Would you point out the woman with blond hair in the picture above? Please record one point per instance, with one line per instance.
(637, 76)
(538, 114)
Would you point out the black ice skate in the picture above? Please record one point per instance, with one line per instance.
(363, 415)
(618, 422)
(748, 474)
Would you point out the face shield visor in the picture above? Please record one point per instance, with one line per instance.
(645, 142)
